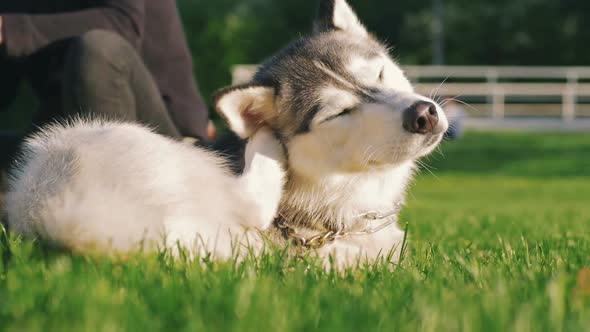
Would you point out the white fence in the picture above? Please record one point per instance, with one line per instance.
(541, 91)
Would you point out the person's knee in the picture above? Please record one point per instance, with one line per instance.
(99, 52)
(98, 67)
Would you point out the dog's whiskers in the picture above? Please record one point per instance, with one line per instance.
(454, 99)
(423, 165)
(434, 92)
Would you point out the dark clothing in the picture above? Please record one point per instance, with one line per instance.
(33, 31)
(9, 143)
(104, 76)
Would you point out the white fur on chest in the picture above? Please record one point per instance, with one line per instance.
(342, 198)
(379, 190)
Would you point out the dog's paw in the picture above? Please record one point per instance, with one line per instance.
(264, 143)
(263, 178)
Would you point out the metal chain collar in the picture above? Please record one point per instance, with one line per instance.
(321, 239)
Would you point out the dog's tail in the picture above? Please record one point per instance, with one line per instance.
(49, 197)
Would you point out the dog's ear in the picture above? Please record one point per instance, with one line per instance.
(338, 15)
(246, 107)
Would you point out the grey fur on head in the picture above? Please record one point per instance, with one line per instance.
(295, 72)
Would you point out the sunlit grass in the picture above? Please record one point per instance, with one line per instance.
(499, 238)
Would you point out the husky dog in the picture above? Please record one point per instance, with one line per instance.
(334, 105)
(352, 127)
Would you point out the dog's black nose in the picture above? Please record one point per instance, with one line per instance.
(420, 118)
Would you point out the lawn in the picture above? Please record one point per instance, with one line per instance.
(499, 241)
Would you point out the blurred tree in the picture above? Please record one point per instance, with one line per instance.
(223, 33)
(477, 32)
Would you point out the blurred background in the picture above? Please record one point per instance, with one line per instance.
(499, 219)
(421, 32)
(548, 33)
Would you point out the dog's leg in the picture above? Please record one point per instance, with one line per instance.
(263, 178)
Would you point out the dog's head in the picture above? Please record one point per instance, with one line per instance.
(337, 100)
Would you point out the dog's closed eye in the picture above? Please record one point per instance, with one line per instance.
(346, 111)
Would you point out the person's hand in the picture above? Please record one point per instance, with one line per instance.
(211, 134)
(211, 131)
(1, 41)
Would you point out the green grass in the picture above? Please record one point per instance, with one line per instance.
(498, 237)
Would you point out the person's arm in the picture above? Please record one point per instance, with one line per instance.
(23, 34)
